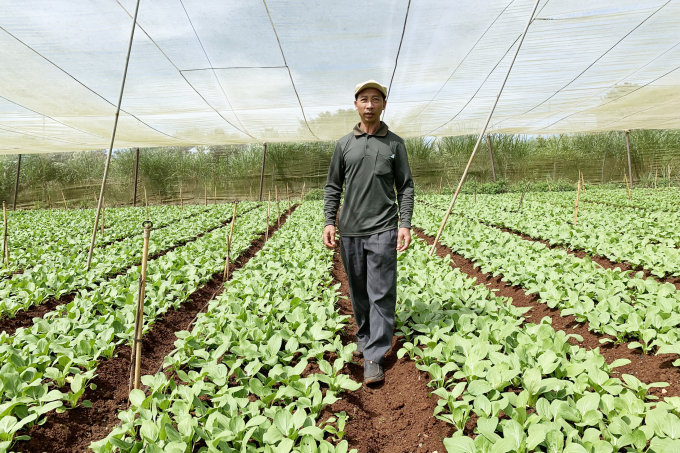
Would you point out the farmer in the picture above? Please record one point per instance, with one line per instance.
(371, 161)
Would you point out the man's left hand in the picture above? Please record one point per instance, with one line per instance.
(403, 239)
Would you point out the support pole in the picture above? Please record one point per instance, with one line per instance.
(302, 196)
(136, 359)
(16, 184)
(483, 131)
(656, 175)
(627, 186)
(225, 277)
(269, 204)
(5, 240)
(441, 181)
(64, 198)
(103, 210)
(264, 158)
(206, 194)
(181, 200)
(215, 198)
(134, 193)
(278, 216)
(493, 168)
(630, 167)
(522, 197)
(288, 196)
(113, 137)
(578, 192)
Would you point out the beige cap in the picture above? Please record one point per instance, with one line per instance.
(371, 84)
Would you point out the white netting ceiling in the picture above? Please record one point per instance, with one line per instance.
(215, 72)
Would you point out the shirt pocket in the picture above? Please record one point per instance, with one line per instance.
(383, 164)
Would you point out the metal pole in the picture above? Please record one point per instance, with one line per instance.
(113, 137)
(264, 157)
(16, 184)
(134, 195)
(630, 167)
(481, 134)
(493, 168)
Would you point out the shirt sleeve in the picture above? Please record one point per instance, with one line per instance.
(334, 182)
(404, 184)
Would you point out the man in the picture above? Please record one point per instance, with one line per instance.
(370, 161)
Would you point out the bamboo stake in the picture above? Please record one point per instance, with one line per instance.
(49, 201)
(441, 180)
(225, 277)
(549, 186)
(656, 175)
(5, 240)
(269, 204)
(181, 200)
(278, 216)
(627, 185)
(215, 199)
(303, 192)
(578, 192)
(522, 197)
(64, 198)
(136, 359)
(483, 131)
(146, 203)
(103, 210)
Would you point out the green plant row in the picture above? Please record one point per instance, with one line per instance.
(64, 348)
(611, 301)
(62, 273)
(661, 199)
(646, 239)
(529, 387)
(236, 380)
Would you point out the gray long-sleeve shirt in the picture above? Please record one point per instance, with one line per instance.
(370, 166)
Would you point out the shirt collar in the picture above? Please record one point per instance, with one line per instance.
(381, 132)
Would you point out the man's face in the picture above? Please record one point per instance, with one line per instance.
(370, 105)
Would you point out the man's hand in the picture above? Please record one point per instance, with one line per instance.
(329, 236)
(403, 239)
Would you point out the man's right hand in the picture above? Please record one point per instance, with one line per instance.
(329, 236)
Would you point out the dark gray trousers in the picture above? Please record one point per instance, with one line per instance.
(371, 266)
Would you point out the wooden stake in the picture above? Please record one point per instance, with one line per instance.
(441, 180)
(215, 200)
(656, 175)
(522, 197)
(627, 186)
(278, 216)
(136, 359)
(225, 277)
(578, 192)
(181, 200)
(146, 203)
(303, 192)
(5, 240)
(269, 204)
(64, 198)
(549, 186)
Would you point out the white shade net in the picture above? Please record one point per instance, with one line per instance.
(217, 72)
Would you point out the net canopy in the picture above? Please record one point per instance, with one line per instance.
(217, 72)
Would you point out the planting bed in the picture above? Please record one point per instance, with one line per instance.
(523, 333)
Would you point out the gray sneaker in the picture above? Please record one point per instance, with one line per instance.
(373, 372)
(361, 345)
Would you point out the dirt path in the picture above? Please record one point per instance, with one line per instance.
(647, 368)
(74, 430)
(24, 318)
(395, 416)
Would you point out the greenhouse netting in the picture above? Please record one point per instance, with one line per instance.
(213, 72)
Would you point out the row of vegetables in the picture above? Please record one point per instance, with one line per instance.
(65, 346)
(613, 302)
(64, 271)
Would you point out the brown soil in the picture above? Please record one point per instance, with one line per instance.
(395, 416)
(24, 318)
(647, 368)
(74, 430)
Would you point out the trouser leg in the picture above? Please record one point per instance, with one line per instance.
(354, 260)
(381, 274)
